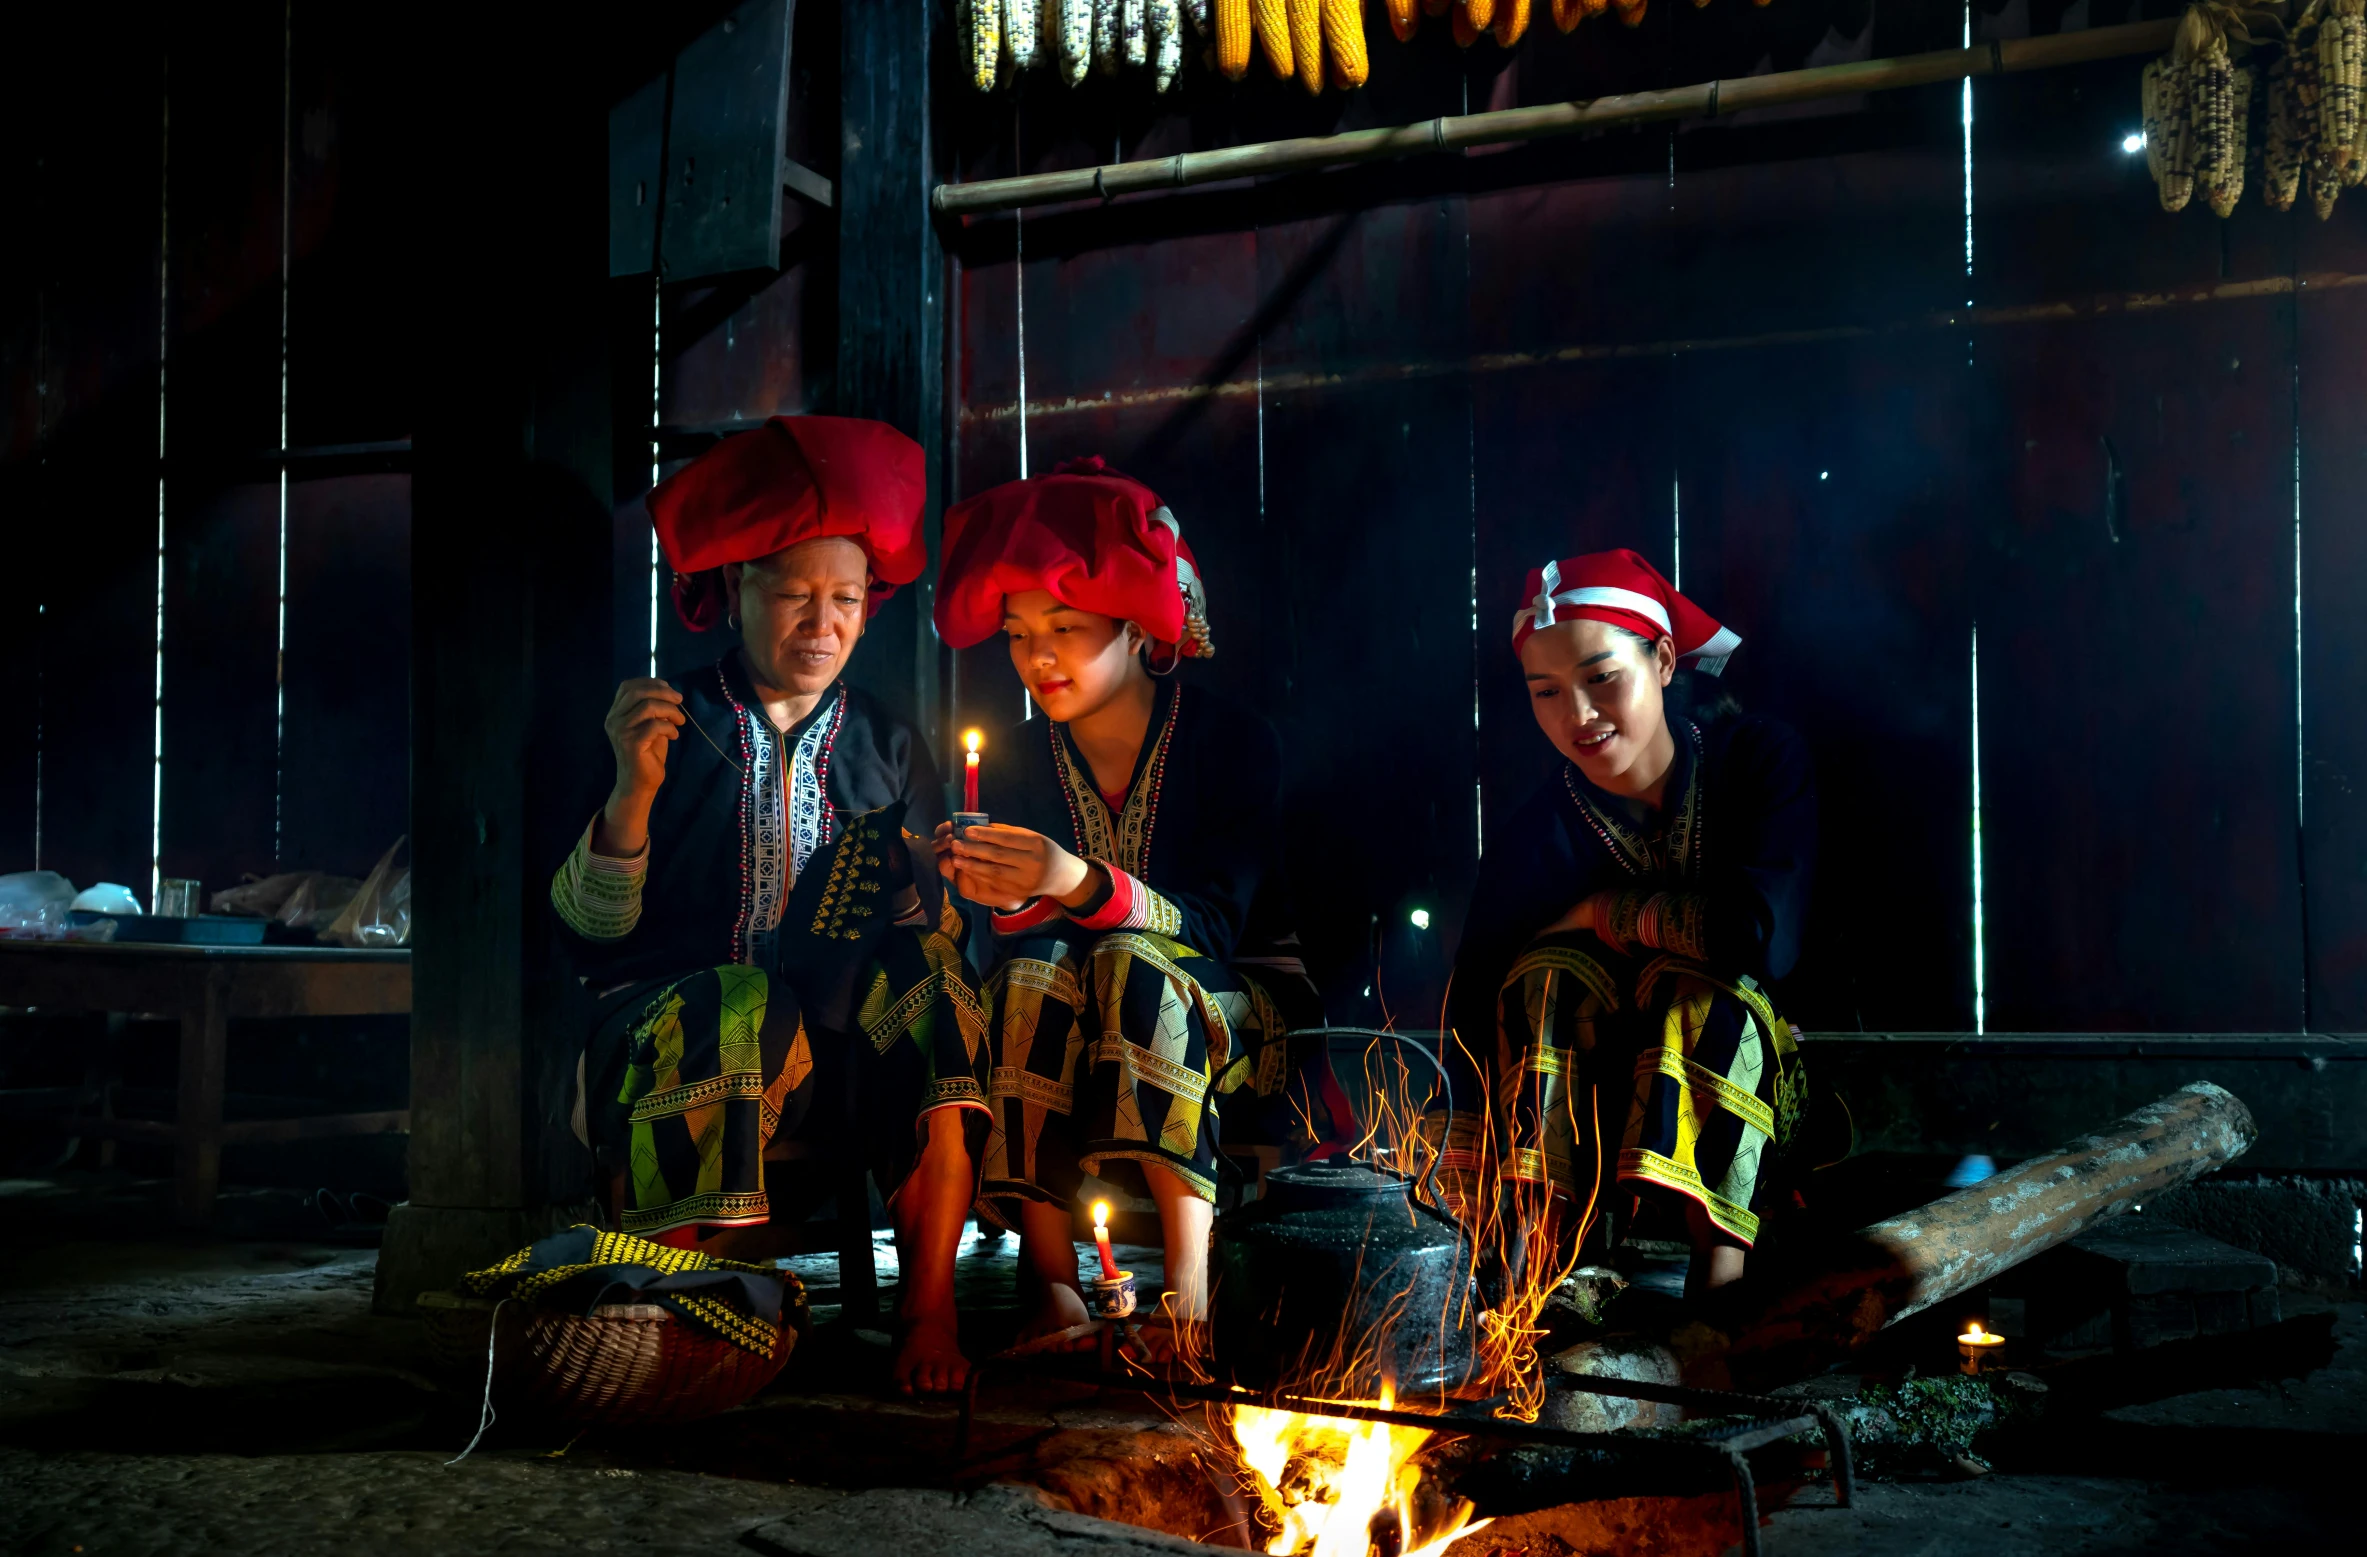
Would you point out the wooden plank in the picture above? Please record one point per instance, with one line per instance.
(2331, 332)
(221, 671)
(93, 539)
(1367, 503)
(345, 777)
(356, 311)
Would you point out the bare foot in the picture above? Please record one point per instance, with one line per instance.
(1061, 1306)
(929, 1359)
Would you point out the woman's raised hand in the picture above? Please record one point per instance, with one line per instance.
(644, 718)
(1004, 866)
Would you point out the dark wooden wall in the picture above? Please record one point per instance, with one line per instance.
(198, 192)
(1753, 351)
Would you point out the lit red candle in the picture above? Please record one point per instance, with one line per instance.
(971, 741)
(1101, 1240)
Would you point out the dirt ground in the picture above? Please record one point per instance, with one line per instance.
(237, 1395)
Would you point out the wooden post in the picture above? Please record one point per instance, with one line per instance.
(197, 1153)
(511, 618)
(891, 308)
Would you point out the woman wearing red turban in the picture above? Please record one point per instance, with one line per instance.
(1612, 979)
(1148, 970)
(777, 982)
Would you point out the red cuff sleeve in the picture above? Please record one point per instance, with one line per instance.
(1131, 906)
(1027, 916)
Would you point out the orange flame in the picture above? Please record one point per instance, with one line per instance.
(972, 740)
(1325, 1483)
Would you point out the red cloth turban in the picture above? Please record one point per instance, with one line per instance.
(796, 478)
(1090, 537)
(1623, 589)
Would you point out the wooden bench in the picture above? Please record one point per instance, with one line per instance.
(206, 987)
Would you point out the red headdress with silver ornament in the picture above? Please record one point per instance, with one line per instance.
(1624, 590)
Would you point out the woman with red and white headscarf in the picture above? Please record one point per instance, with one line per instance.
(1148, 971)
(780, 977)
(1612, 980)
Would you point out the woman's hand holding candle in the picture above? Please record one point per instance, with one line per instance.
(1004, 866)
(1101, 1240)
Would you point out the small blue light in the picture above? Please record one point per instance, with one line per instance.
(2133, 144)
(1824, 475)
(1421, 918)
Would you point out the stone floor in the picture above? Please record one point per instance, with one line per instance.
(162, 1395)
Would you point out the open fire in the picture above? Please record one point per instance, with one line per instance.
(1339, 1488)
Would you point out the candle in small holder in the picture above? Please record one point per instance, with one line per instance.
(1101, 1240)
(969, 815)
(1978, 1348)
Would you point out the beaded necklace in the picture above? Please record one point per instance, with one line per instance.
(1684, 838)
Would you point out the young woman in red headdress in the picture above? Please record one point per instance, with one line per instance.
(780, 988)
(1612, 979)
(1148, 971)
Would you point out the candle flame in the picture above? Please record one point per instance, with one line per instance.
(972, 740)
(1101, 1213)
(1974, 1335)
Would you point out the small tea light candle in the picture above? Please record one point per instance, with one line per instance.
(1101, 1240)
(1977, 1346)
(971, 741)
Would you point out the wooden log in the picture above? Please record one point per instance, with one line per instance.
(1824, 1303)
(1453, 132)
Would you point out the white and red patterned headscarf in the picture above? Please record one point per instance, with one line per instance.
(1624, 590)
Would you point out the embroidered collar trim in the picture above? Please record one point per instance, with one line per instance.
(1123, 840)
(1674, 850)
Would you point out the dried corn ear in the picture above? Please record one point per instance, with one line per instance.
(1633, 16)
(2285, 143)
(1567, 14)
(1232, 38)
(1167, 25)
(1405, 19)
(1480, 13)
(2227, 183)
(1465, 34)
(1343, 36)
(1134, 32)
(1512, 19)
(2323, 188)
(983, 33)
(1203, 19)
(1271, 23)
(1306, 41)
(2210, 107)
(1109, 42)
(1075, 39)
(1020, 18)
(2174, 157)
(2342, 62)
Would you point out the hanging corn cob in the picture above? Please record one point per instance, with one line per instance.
(1480, 13)
(1343, 38)
(1232, 38)
(1405, 18)
(1134, 30)
(1466, 31)
(1272, 25)
(1512, 19)
(2342, 61)
(2281, 151)
(1567, 14)
(1166, 24)
(982, 32)
(1203, 22)
(1306, 41)
(1109, 43)
(2225, 183)
(1075, 39)
(1019, 32)
(1632, 16)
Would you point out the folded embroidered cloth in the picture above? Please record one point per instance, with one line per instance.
(578, 1270)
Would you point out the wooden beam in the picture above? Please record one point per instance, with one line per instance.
(1453, 132)
(892, 307)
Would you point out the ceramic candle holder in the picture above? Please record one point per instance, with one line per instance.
(1111, 1297)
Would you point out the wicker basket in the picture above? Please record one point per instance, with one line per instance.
(623, 1363)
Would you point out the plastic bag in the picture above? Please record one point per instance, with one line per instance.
(33, 904)
(380, 913)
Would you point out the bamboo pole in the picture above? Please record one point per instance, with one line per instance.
(1705, 100)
